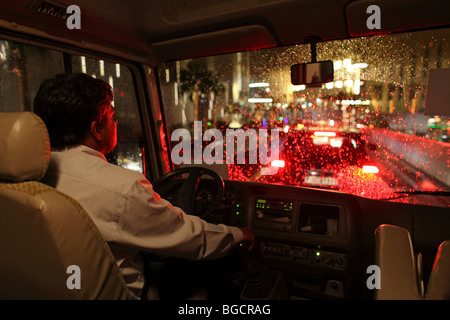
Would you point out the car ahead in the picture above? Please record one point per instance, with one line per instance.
(321, 157)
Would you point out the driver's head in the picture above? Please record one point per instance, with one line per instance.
(77, 108)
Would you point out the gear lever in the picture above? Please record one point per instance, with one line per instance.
(251, 267)
(261, 282)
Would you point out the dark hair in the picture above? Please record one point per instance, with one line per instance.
(68, 103)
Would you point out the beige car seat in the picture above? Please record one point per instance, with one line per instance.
(49, 246)
(401, 276)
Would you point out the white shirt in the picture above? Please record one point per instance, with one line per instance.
(131, 216)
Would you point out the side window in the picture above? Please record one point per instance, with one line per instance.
(22, 69)
(129, 152)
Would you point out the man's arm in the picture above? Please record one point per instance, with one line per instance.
(154, 225)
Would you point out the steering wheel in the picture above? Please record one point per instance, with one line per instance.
(185, 195)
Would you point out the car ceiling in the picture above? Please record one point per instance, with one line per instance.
(152, 31)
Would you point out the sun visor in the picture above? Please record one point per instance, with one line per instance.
(368, 17)
(437, 101)
(218, 42)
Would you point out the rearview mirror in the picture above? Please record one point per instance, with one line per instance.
(312, 73)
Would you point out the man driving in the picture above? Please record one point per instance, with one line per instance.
(131, 216)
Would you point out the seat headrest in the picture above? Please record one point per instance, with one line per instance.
(24, 147)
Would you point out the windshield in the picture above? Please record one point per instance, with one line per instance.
(365, 133)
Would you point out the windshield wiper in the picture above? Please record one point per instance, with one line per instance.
(434, 193)
(404, 194)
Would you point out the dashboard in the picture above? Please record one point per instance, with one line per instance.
(320, 242)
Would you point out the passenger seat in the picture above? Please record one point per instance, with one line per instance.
(400, 268)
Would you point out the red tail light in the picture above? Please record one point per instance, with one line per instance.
(370, 169)
(278, 163)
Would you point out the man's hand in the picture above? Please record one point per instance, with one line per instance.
(249, 237)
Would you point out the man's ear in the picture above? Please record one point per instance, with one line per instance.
(95, 132)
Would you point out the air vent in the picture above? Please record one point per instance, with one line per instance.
(50, 8)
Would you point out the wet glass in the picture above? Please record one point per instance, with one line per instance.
(372, 114)
(23, 67)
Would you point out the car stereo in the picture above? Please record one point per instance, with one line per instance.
(273, 214)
